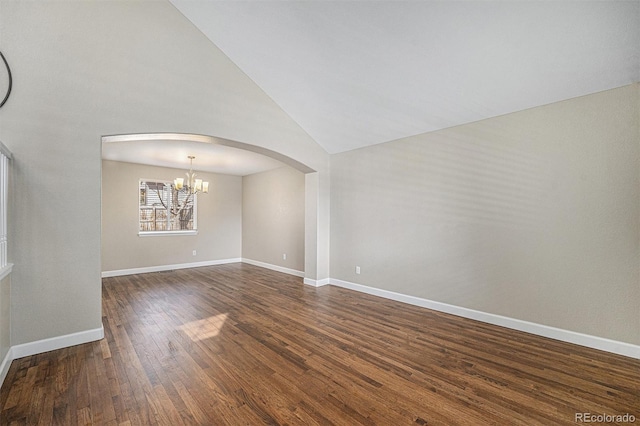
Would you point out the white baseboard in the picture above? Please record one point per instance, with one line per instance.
(273, 267)
(4, 367)
(59, 342)
(160, 268)
(317, 283)
(46, 345)
(594, 342)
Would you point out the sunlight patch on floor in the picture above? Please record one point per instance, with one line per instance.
(204, 328)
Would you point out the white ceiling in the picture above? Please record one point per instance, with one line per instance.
(358, 73)
(169, 150)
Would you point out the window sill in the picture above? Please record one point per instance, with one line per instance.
(5, 271)
(165, 233)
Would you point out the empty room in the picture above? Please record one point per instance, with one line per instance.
(319, 212)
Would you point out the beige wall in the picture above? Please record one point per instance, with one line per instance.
(5, 316)
(219, 220)
(533, 215)
(87, 69)
(273, 217)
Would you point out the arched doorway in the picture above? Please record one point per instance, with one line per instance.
(171, 149)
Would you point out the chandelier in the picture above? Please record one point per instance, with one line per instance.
(192, 185)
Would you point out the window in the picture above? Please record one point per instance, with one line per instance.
(166, 210)
(5, 156)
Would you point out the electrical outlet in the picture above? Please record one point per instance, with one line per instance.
(194, 252)
(357, 269)
(284, 256)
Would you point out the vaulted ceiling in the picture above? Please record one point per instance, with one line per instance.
(358, 73)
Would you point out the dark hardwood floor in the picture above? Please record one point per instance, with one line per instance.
(241, 345)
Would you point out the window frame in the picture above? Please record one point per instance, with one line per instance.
(175, 232)
(5, 159)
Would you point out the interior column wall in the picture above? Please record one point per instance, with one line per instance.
(273, 218)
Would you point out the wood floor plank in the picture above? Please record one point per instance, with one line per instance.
(238, 344)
